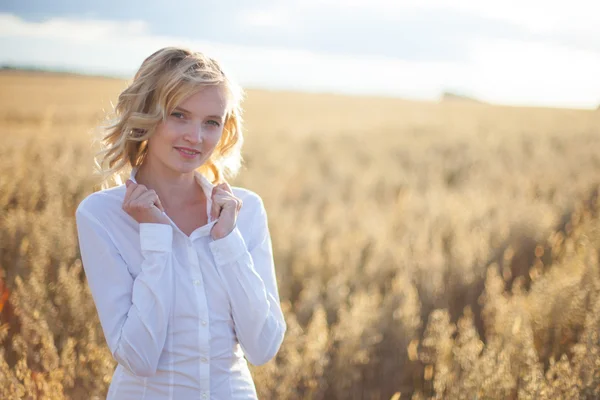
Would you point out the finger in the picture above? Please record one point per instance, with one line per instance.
(224, 194)
(215, 210)
(158, 204)
(226, 201)
(221, 197)
(137, 192)
(128, 191)
(153, 197)
(146, 200)
(225, 186)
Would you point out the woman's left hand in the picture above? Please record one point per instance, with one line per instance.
(225, 207)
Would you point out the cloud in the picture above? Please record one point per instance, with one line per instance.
(535, 73)
(266, 18)
(445, 23)
(421, 30)
(539, 16)
(415, 33)
(80, 30)
(497, 70)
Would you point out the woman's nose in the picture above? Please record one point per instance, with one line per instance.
(194, 134)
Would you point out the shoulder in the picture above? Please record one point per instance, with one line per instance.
(253, 213)
(102, 203)
(252, 219)
(251, 201)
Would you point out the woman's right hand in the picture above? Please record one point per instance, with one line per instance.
(143, 204)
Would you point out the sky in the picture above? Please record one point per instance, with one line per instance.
(525, 52)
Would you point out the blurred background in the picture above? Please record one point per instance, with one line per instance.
(430, 171)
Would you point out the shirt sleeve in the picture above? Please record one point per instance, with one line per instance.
(133, 312)
(248, 273)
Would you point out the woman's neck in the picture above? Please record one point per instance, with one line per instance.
(175, 190)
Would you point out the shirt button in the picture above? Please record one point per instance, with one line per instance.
(204, 359)
(205, 395)
(204, 323)
(197, 282)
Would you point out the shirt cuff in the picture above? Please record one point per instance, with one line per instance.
(156, 237)
(228, 248)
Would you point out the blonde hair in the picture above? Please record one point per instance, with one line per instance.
(164, 79)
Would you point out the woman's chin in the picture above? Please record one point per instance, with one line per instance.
(187, 167)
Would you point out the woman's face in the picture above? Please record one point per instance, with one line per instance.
(188, 137)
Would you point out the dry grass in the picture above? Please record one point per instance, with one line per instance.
(436, 250)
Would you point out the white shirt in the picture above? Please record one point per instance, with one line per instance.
(180, 313)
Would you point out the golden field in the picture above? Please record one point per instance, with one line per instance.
(423, 250)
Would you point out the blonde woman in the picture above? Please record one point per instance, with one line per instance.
(179, 263)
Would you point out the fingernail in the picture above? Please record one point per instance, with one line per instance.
(128, 182)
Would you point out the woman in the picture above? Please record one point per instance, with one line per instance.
(179, 263)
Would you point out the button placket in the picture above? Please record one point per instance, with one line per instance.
(193, 257)
(197, 280)
(192, 254)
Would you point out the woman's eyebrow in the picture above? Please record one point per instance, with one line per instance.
(182, 109)
(215, 116)
(219, 117)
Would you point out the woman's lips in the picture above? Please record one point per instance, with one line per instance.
(187, 153)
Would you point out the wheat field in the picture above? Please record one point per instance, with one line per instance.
(423, 250)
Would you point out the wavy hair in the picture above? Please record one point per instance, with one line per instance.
(165, 79)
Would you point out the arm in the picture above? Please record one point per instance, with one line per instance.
(248, 273)
(133, 312)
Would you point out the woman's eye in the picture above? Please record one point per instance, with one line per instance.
(177, 115)
(213, 122)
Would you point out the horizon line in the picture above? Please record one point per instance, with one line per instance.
(456, 96)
